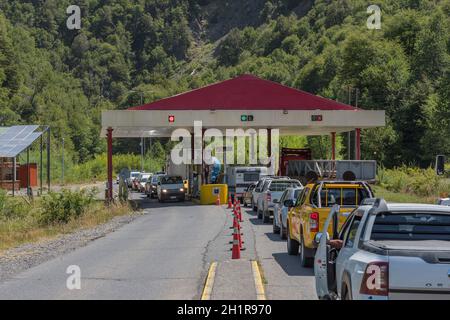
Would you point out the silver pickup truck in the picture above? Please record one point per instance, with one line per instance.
(385, 251)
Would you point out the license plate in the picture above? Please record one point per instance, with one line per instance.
(173, 197)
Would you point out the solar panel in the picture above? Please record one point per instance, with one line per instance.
(16, 139)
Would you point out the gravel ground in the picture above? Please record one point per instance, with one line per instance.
(27, 256)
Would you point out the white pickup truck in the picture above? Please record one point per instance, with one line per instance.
(385, 251)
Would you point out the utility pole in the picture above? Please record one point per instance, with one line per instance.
(62, 165)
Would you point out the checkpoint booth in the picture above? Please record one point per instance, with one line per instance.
(245, 102)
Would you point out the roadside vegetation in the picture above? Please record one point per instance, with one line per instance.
(411, 184)
(128, 51)
(23, 221)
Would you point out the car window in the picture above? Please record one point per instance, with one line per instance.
(284, 196)
(350, 235)
(411, 226)
(302, 197)
(296, 194)
(349, 197)
(258, 186)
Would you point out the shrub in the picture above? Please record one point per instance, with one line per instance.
(421, 182)
(11, 208)
(64, 206)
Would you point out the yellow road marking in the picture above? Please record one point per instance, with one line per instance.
(260, 294)
(206, 295)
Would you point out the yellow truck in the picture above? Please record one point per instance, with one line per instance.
(309, 213)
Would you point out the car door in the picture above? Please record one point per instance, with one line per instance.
(321, 259)
(296, 213)
(279, 207)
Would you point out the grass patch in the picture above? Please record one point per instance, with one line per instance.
(31, 222)
(391, 196)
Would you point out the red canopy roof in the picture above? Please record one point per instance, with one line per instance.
(246, 92)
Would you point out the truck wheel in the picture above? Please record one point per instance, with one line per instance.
(276, 229)
(292, 245)
(305, 261)
(266, 216)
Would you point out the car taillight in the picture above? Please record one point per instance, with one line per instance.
(376, 279)
(314, 222)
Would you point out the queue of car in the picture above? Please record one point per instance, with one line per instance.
(158, 185)
(360, 247)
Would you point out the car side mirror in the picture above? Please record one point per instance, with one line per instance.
(276, 201)
(318, 237)
(289, 203)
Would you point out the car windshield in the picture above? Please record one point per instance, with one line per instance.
(171, 180)
(135, 175)
(283, 185)
(411, 226)
(155, 179)
(144, 180)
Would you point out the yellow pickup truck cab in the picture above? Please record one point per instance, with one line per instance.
(311, 210)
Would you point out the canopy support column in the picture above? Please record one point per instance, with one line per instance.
(358, 144)
(110, 165)
(333, 146)
(269, 146)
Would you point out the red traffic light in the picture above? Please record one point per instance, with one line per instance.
(171, 119)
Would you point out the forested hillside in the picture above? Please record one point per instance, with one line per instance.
(155, 48)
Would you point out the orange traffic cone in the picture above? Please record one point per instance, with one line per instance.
(236, 250)
(218, 200)
(229, 202)
(240, 214)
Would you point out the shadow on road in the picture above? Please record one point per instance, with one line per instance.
(257, 222)
(250, 212)
(146, 203)
(274, 237)
(291, 265)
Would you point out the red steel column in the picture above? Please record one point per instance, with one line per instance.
(333, 146)
(110, 165)
(358, 144)
(269, 145)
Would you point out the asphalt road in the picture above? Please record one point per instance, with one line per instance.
(161, 255)
(165, 254)
(285, 278)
